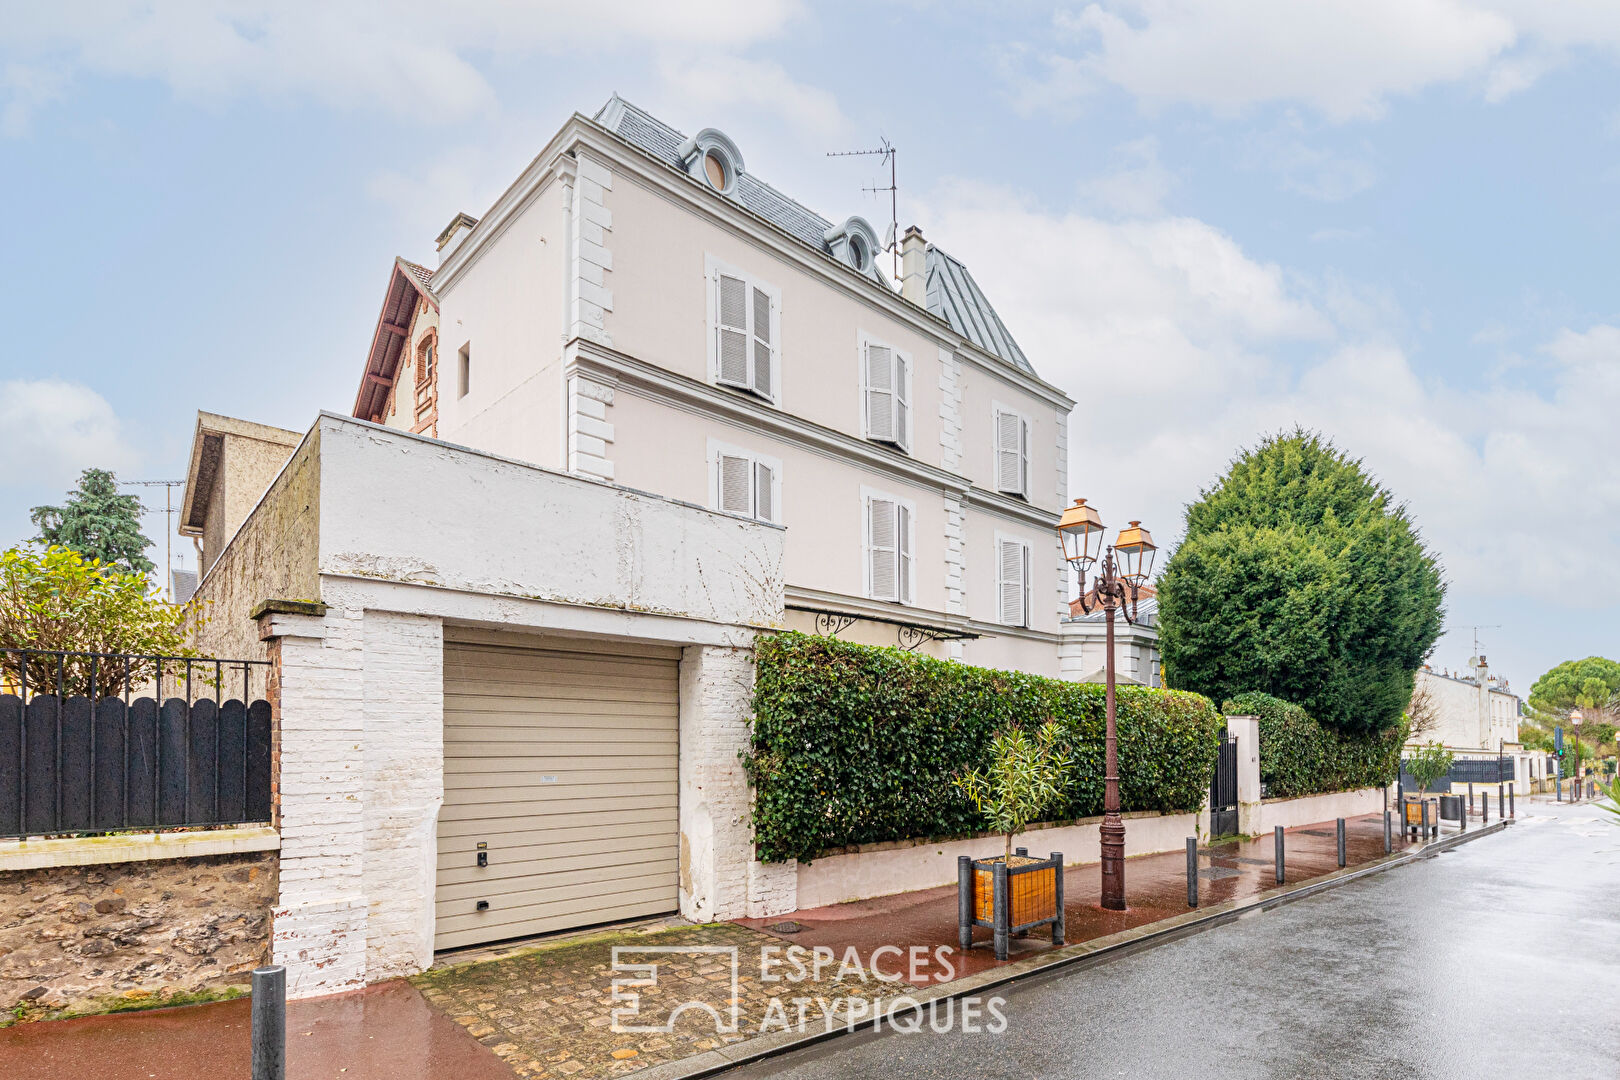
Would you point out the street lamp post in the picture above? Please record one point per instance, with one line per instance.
(1124, 567)
(1575, 719)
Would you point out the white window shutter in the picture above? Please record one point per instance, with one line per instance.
(731, 310)
(1013, 565)
(902, 400)
(879, 392)
(1023, 457)
(763, 346)
(903, 543)
(735, 475)
(764, 492)
(882, 549)
(1009, 453)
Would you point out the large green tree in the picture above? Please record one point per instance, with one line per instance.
(1299, 575)
(98, 523)
(1591, 685)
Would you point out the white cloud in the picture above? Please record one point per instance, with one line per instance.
(1137, 184)
(1181, 348)
(54, 429)
(1343, 58)
(406, 57)
(733, 82)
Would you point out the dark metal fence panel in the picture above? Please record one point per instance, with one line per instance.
(11, 770)
(258, 761)
(90, 743)
(1466, 771)
(109, 782)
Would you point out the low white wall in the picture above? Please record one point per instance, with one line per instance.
(909, 865)
(1311, 809)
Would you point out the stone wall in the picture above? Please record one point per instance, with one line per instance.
(72, 937)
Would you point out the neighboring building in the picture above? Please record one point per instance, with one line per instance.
(1475, 711)
(1084, 650)
(1476, 717)
(232, 462)
(182, 586)
(400, 387)
(640, 309)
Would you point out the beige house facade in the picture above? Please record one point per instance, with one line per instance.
(640, 309)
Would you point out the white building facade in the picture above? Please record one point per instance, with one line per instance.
(638, 308)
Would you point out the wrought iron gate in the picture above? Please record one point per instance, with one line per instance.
(1223, 810)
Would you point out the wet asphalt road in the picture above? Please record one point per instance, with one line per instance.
(1498, 958)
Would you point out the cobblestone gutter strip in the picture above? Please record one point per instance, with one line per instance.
(1085, 954)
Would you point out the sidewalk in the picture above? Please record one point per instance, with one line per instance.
(547, 1011)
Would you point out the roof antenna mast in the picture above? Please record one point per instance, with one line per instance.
(888, 153)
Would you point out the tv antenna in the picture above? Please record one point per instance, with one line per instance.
(1474, 660)
(888, 153)
(168, 511)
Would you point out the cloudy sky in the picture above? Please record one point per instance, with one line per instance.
(1391, 220)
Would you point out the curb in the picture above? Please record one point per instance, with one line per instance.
(1083, 955)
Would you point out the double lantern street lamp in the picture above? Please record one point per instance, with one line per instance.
(1124, 569)
(1575, 719)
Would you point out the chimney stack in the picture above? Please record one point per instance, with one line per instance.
(454, 233)
(914, 266)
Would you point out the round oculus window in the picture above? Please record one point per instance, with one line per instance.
(857, 253)
(714, 167)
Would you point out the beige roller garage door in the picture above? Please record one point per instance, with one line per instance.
(562, 761)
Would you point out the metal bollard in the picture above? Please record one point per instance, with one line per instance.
(1059, 928)
(1000, 906)
(1501, 802)
(270, 1023)
(1192, 871)
(1462, 826)
(1513, 811)
(964, 902)
(1279, 848)
(1425, 805)
(1340, 831)
(1389, 838)
(1484, 808)
(1470, 796)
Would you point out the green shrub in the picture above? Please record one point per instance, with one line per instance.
(855, 745)
(1298, 756)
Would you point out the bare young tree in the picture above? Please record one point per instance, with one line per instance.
(1423, 713)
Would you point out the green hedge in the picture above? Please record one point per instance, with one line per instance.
(1298, 756)
(854, 744)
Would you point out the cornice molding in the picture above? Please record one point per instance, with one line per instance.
(645, 380)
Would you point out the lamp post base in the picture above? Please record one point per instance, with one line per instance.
(1113, 862)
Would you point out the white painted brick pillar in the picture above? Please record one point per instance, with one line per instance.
(720, 879)
(1246, 729)
(318, 927)
(404, 788)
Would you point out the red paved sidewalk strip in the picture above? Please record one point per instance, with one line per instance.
(1155, 888)
(385, 1032)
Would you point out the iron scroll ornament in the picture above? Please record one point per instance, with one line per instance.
(1111, 591)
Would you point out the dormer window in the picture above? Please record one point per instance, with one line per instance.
(855, 244)
(713, 158)
(715, 167)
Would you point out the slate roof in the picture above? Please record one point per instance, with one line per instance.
(184, 585)
(952, 294)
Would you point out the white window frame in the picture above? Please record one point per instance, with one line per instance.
(901, 394)
(755, 459)
(906, 544)
(1026, 438)
(1009, 538)
(712, 269)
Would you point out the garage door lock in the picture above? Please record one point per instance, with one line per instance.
(483, 854)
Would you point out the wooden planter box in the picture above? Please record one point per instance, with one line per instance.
(1009, 898)
(1413, 817)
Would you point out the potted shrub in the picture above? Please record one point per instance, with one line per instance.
(1023, 779)
(1431, 762)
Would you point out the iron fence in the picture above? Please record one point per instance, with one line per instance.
(90, 744)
